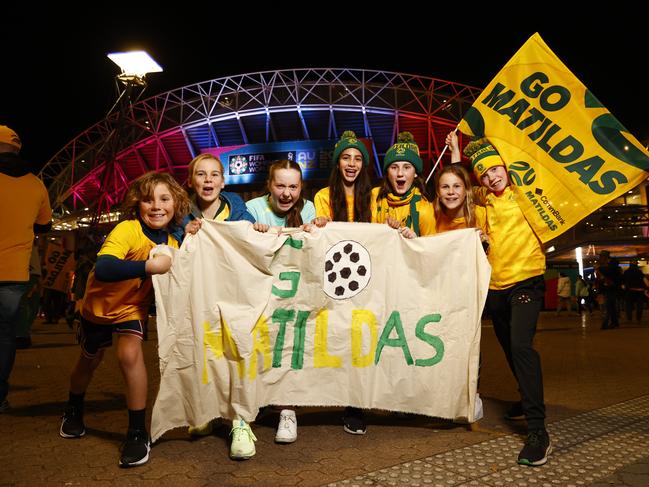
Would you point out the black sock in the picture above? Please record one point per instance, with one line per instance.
(76, 400)
(136, 419)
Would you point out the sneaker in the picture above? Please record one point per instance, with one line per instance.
(287, 427)
(4, 405)
(354, 421)
(515, 413)
(536, 450)
(72, 423)
(136, 448)
(243, 441)
(202, 430)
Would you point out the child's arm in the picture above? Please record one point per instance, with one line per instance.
(453, 144)
(158, 264)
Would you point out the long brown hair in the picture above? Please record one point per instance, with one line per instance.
(362, 195)
(468, 208)
(293, 217)
(144, 186)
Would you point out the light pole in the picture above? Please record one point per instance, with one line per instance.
(130, 84)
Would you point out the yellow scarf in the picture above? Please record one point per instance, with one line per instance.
(383, 206)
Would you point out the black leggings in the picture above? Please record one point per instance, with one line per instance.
(514, 312)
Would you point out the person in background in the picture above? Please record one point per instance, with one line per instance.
(118, 295)
(634, 287)
(582, 291)
(347, 199)
(24, 210)
(609, 280)
(31, 301)
(563, 292)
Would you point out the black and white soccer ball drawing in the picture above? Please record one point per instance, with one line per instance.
(347, 270)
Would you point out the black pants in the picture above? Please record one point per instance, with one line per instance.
(515, 312)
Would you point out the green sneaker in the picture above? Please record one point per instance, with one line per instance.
(202, 430)
(243, 441)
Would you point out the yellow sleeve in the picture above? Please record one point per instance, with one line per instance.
(374, 207)
(45, 211)
(427, 223)
(120, 240)
(481, 218)
(321, 202)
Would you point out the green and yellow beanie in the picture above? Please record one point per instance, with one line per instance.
(406, 149)
(348, 140)
(483, 156)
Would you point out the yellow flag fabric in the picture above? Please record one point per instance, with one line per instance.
(566, 154)
(349, 315)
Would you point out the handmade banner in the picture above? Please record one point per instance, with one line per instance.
(566, 154)
(349, 315)
(59, 264)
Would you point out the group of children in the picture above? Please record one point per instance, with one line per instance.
(119, 291)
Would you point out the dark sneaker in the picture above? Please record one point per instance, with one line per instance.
(536, 450)
(136, 448)
(72, 423)
(515, 413)
(354, 421)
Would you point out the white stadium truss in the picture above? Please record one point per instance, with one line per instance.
(166, 131)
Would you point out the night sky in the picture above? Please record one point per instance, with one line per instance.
(57, 80)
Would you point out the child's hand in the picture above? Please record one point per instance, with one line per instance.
(261, 227)
(158, 264)
(306, 227)
(484, 238)
(320, 221)
(393, 223)
(193, 226)
(407, 232)
(453, 144)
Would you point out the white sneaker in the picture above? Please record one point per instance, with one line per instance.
(243, 441)
(478, 412)
(287, 427)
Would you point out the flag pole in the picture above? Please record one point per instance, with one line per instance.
(438, 159)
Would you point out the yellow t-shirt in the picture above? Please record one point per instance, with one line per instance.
(424, 217)
(323, 207)
(515, 252)
(23, 202)
(115, 302)
(445, 224)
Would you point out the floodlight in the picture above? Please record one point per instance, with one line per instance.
(134, 64)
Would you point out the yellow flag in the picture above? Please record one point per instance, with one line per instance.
(565, 153)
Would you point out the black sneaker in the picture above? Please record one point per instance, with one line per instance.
(136, 448)
(72, 423)
(515, 413)
(536, 450)
(354, 421)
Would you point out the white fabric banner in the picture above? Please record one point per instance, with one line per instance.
(349, 315)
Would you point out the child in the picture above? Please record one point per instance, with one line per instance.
(283, 206)
(401, 200)
(208, 201)
(453, 203)
(117, 299)
(347, 199)
(455, 210)
(516, 290)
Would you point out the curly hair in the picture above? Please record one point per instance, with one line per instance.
(293, 216)
(144, 186)
(362, 196)
(468, 208)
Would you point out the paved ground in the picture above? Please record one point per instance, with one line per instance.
(597, 395)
